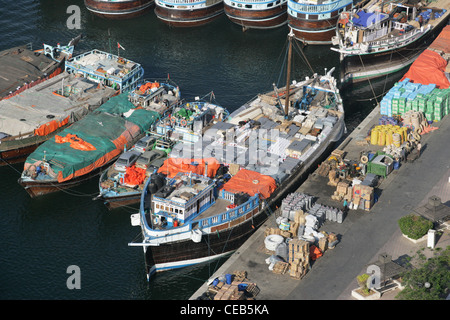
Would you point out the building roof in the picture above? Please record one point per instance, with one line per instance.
(434, 210)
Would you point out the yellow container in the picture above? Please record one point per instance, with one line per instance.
(374, 136)
(405, 133)
(382, 138)
(389, 139)
(396, 137)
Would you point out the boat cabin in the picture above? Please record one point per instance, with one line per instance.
(155, 95)
(183, 198)
(107, 69)
(188, 122)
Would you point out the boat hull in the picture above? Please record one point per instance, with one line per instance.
(189, 18)
(359, 68)
(311, 29)
(212, 246)
(17, 151)
(36, 188)
(120, 9)
(257, 19)
(121, 201)
(228, 239)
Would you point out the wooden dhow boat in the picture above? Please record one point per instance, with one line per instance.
(90, 145)
(49, 106)
(119, 9)
(253, 14)
(188, 13)
(385, 37)
(184, 124)
(313, 21)
(202, 208)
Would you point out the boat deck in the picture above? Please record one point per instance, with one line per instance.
(40, 104)
(104, 63)
(219, 207)
(21, 65)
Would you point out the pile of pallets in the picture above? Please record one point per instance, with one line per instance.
(298, 258)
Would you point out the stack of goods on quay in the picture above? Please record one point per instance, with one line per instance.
(407, 96)
(425, 87)
(297, 241)
(233, 286)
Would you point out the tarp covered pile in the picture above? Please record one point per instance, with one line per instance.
(251, 182)
(173, 166)
(105, 130)
(430, 66)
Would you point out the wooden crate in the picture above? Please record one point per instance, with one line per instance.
(280, 267)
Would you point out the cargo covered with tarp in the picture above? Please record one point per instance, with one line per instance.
(172, 166)
(430, 66)
(106, 132)
(251, 182)
(134, 176)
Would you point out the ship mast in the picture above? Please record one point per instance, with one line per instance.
(288, 80)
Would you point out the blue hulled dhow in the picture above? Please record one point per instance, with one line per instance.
(205, 201)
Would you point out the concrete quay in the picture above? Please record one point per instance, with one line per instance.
(363, 235)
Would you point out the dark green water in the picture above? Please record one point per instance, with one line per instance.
(40, 238)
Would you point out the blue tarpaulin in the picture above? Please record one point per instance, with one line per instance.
(366, 19)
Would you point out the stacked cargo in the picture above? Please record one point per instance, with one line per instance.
(298, 258)
(385, 135)
(406, 96)
(363, 197)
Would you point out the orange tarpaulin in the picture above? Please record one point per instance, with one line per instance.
(97, 164)
(100, 162)
(148, 85)
(314, 252)
(429, 68)
(251, 182)
(134, 176)
(50, 126)
(172, 166)
(75, 142)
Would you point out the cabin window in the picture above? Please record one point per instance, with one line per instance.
(269, 5)
(176, 210)
(248, 6)
(157, 206)
(278, 2)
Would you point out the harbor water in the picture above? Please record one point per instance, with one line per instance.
(42, 238)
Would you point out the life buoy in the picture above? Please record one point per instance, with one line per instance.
(121, 180)
(364, 159)
(173, 120)
(183, 123)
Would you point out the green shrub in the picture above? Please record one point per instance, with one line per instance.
(414, 226)
(362, 281)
